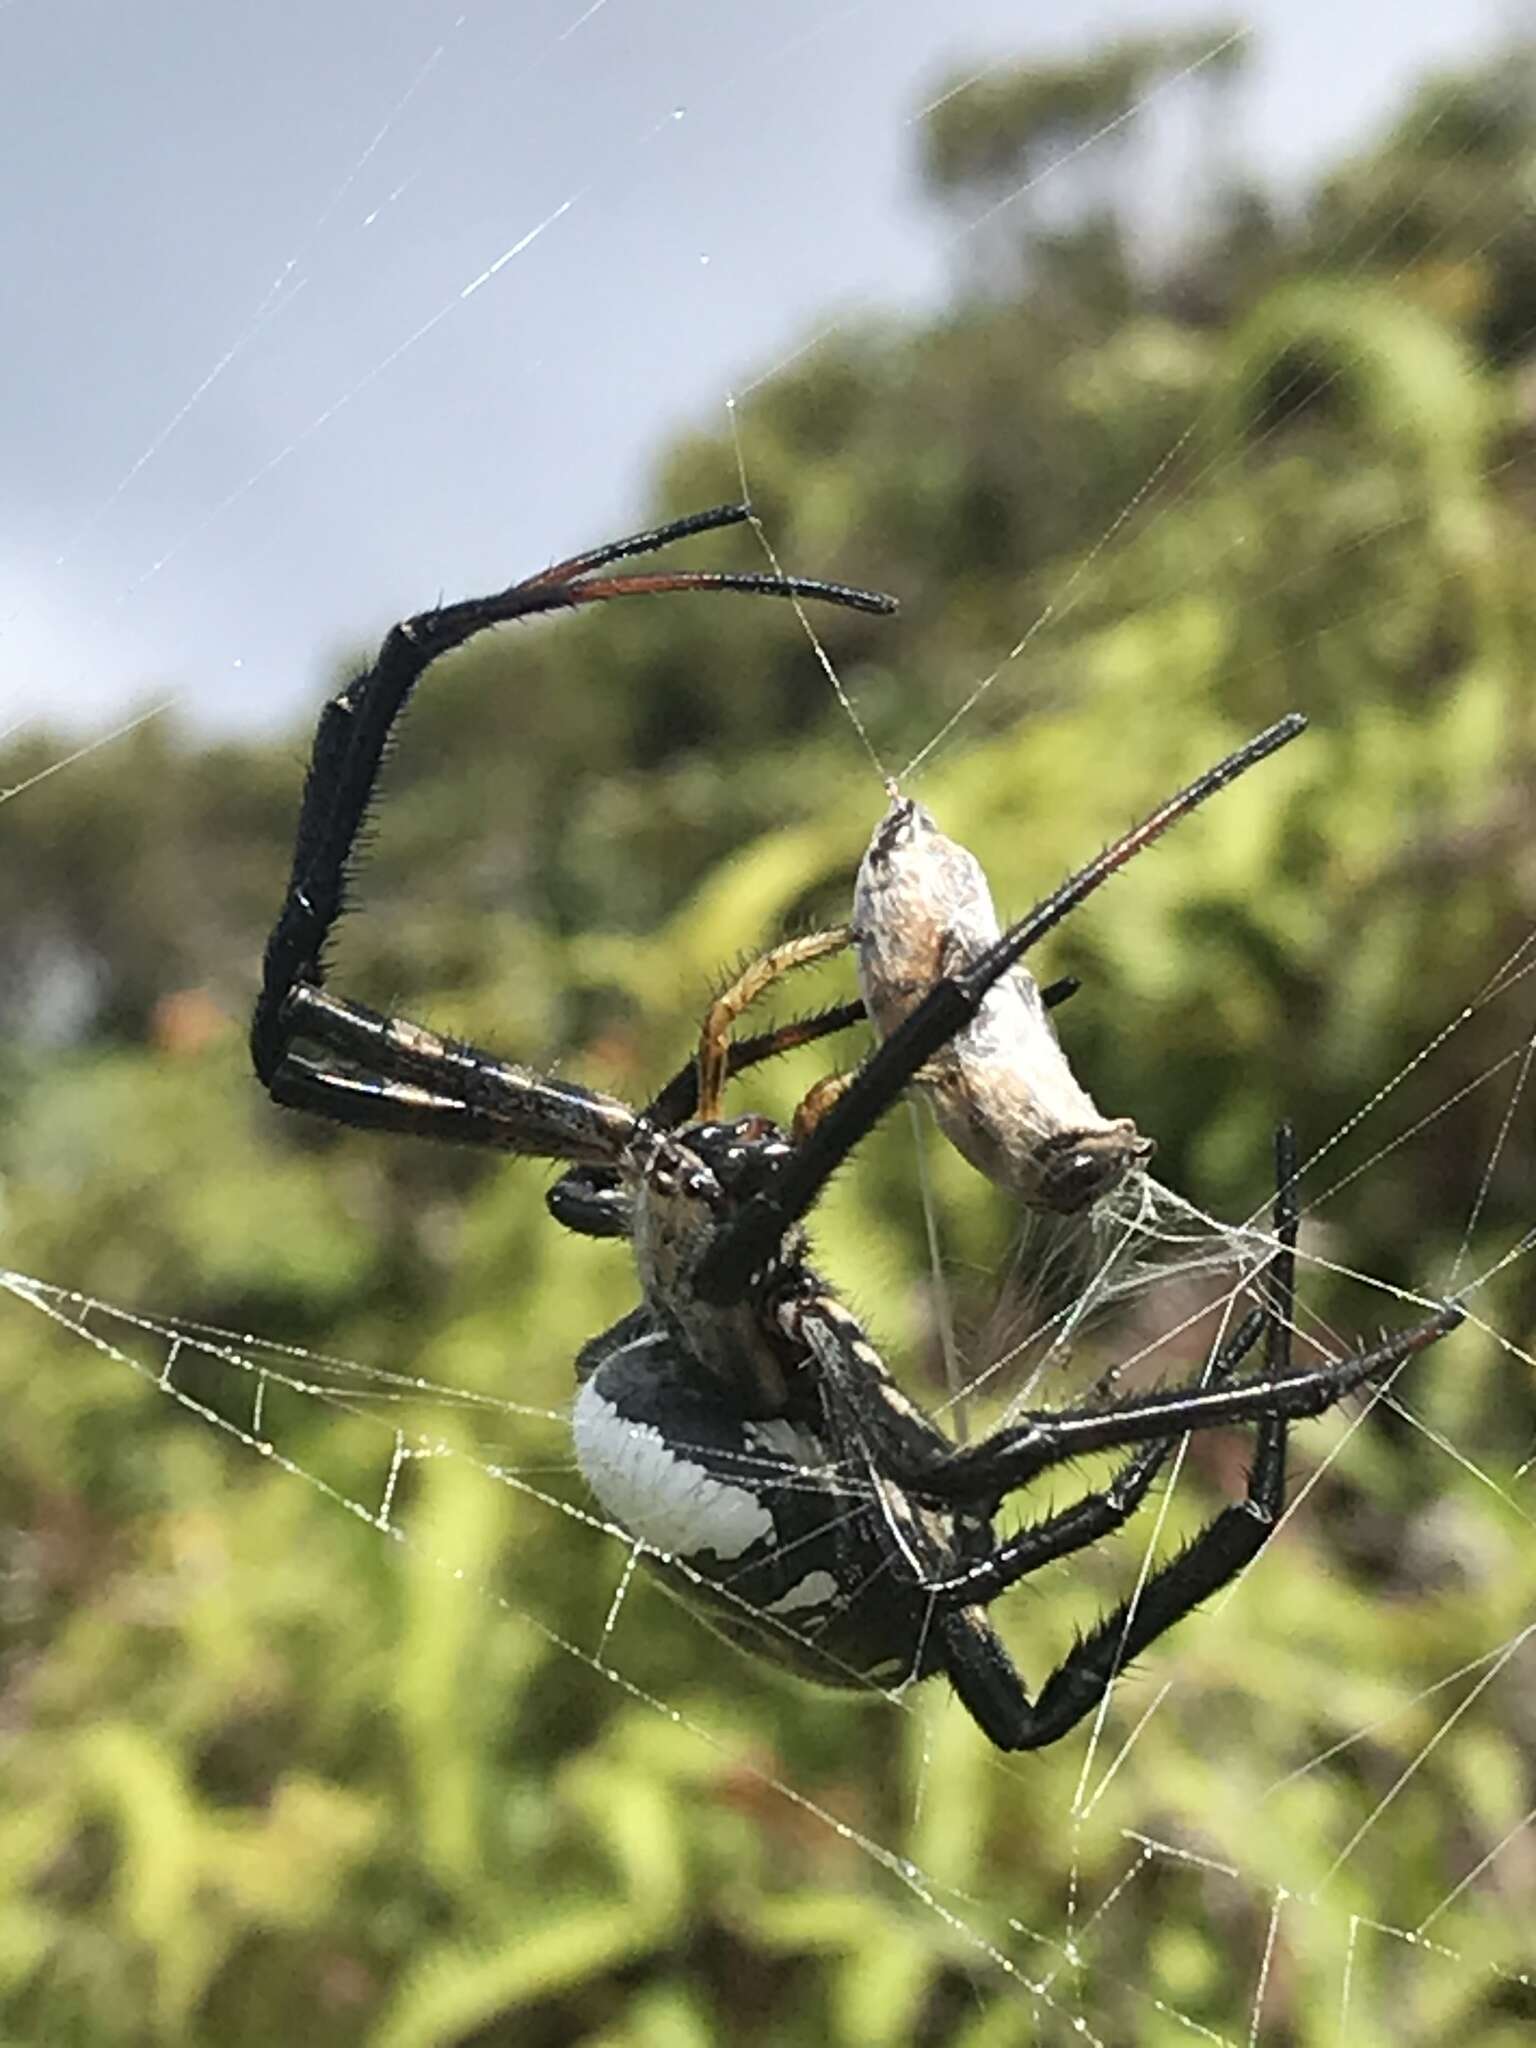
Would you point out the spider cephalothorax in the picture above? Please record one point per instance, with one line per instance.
(685, 1187)
(738, 1422)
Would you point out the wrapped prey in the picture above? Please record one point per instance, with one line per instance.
(1001, 1089)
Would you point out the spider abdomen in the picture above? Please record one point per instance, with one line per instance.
(748, 1519)
(663, 1491)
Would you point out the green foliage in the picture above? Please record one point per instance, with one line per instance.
(269, 1775)
(1441, 204)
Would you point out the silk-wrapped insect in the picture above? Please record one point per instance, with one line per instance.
(1002, 1089)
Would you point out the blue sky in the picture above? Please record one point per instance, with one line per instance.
(315, 313)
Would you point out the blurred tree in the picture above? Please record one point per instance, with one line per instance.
(1046, 163)
(1442, 205)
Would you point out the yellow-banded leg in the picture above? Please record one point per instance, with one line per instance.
(744, 991)
(818, 1099)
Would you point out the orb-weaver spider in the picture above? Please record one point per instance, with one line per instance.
(738, 1422)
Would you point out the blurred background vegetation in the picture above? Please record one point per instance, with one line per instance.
(269, 1776)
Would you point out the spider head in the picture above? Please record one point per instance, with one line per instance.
(688, 1185)
(691, 1182)
(744, 1155)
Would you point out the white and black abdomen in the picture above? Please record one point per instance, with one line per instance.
(769, 1531)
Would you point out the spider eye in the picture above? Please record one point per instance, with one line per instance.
(744, 1156)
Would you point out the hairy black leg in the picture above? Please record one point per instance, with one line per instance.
(1013, 1457)
(913, 1454)
(367, 1103)
(1080, 1681)
(1266, 1481)
(393, 1064)
(749, 1242)
(1212, 1560)
(863, 1413)
(976, 1661)
(354, 729)
(1096, 1515)
(861, 1407)
(872, 1426)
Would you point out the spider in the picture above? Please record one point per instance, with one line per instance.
(738, 1423)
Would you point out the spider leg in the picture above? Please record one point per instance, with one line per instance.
(401, 1077)
(747, 1243)
(914, 1455)
(592, 1201)
(753, 981)
(370, 1102)
(933, 1566)
(904, 1462)
(349, 746)
(979, 1667)
(678, 1102)
(718, 1058)
(1266, 1480)
(1096, 1515)
(858, 1406)
(1015, 1456)
(1012, 1457)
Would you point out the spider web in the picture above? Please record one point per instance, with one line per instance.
(371, 1437)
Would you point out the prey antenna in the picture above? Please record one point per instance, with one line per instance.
(752, 1238)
